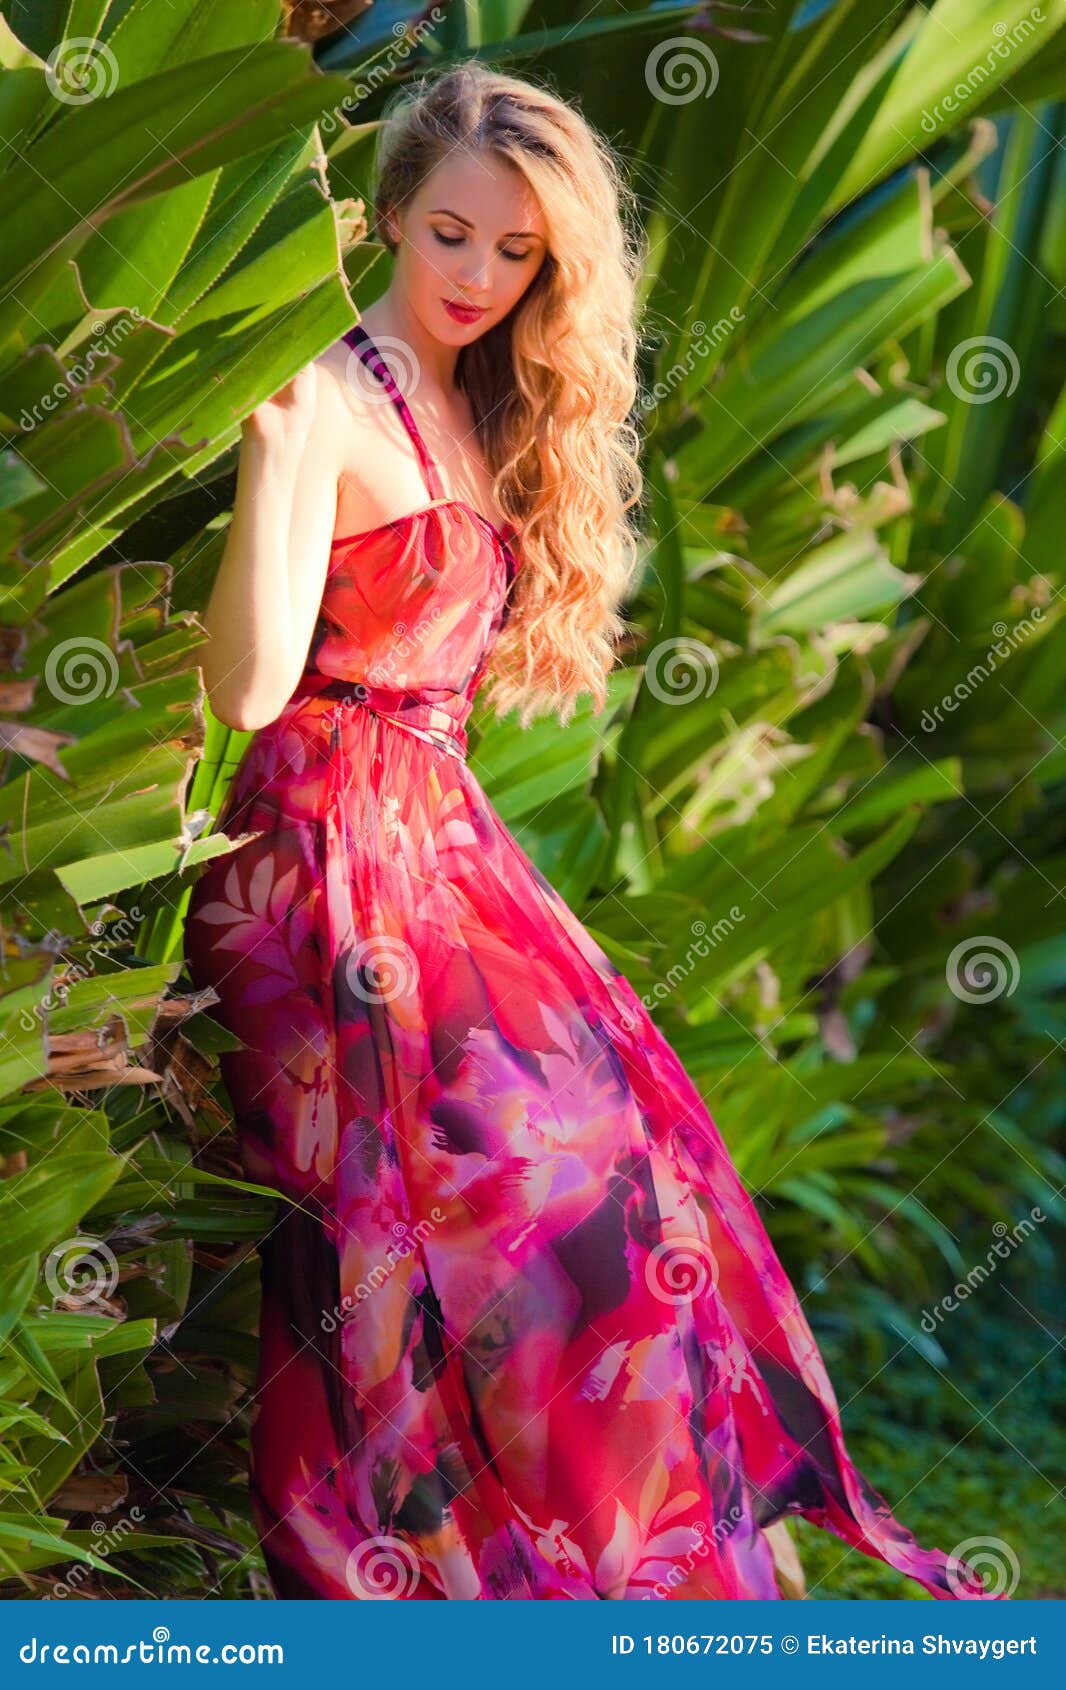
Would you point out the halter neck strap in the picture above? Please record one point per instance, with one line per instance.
(364, 348)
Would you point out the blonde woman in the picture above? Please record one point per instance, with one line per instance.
(523, 1333)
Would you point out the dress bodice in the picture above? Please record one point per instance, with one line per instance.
(413, 607)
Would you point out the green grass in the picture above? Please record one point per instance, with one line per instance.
(967, 1451)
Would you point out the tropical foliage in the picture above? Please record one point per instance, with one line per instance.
(820, 825)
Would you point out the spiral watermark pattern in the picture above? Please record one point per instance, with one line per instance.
(981, 369)
(680, 70)
(985, 1555)
(384, 1569)
(403, 366)
(81, 1269)
(80, 70)
(670, 660)
(681, 1269)
(983, 968)
(81, 670)
(381, 969)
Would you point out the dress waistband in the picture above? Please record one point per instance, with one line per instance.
(409, 711)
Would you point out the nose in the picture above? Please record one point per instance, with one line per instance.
(474, 276)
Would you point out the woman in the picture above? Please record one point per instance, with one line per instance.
(523, 1334)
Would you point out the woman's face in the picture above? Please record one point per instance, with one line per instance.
(473, 235)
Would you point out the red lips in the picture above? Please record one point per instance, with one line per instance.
(463, 313)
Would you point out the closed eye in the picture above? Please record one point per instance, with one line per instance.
(457, 240)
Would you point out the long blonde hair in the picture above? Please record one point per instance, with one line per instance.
(553, 386)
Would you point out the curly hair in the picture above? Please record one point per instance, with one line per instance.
(554, 385)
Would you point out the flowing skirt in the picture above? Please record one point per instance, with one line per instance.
(523, 1333)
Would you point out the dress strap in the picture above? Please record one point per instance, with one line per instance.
(364, 348)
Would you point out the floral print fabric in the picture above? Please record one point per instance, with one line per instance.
(523, 1333)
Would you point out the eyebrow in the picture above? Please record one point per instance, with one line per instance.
(445, 211)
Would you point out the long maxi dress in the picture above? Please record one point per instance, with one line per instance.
(523, 1334)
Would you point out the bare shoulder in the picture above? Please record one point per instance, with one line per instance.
(347, 398)
(376, 469)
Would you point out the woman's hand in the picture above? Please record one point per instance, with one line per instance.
(282, 422)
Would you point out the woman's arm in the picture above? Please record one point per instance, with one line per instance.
(263, 605)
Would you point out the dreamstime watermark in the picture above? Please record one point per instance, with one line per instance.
(80, 1271)
(703, 942)
(1007, 1241)
(83, 968)
(107, 1540)
(984, 1556)
(704, 341)
(981, 369)
(680, 70)
(982, 968)
(719, 1531)
(408, 640)
(402, 365)
(407, 1239)
(406, 38)
(106, 336)
(1007, 640)
(669, 660)
(1007, 38)
(81, 670)
(383, 1569)
(381, 968)
(680, 1269)
(159, 1652)
(81, 69)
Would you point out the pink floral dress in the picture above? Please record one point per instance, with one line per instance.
(523, 1333)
